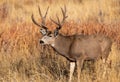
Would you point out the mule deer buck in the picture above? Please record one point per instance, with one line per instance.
(76, 48)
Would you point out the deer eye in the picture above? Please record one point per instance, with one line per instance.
(50, 35)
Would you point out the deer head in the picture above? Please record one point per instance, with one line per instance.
(48, 36)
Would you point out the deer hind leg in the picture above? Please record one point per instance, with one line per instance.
(105, 61)
(72, 68)
(79, 66)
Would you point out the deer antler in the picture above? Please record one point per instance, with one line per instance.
(43, 18)
(60, 24)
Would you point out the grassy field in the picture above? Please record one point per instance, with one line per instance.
(23, 59)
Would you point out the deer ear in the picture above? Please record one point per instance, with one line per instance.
(56, 32)
(43, 31)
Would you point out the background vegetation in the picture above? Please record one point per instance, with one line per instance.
(23, 59)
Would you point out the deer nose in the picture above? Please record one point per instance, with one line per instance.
(41, 42)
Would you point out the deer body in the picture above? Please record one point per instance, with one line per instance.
(72, 47)
(76, 48)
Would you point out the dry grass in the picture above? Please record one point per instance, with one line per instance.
(23, 59)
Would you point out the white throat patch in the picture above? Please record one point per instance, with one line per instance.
(52, 45)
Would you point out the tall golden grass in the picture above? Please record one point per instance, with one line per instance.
(23, 59)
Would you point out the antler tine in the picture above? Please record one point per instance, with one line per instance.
(53, 21)
(64, 14)
(58, 19)
(46, 12)
(35, 21)
(40, 12)
(43, 18)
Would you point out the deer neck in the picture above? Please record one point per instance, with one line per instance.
(62, 44)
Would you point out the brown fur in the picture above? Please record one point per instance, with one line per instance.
(92, 46)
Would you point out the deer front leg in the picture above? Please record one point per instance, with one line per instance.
(79, 63)
(72, 68)
(105, 63)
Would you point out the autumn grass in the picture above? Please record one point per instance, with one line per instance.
(23, 59)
